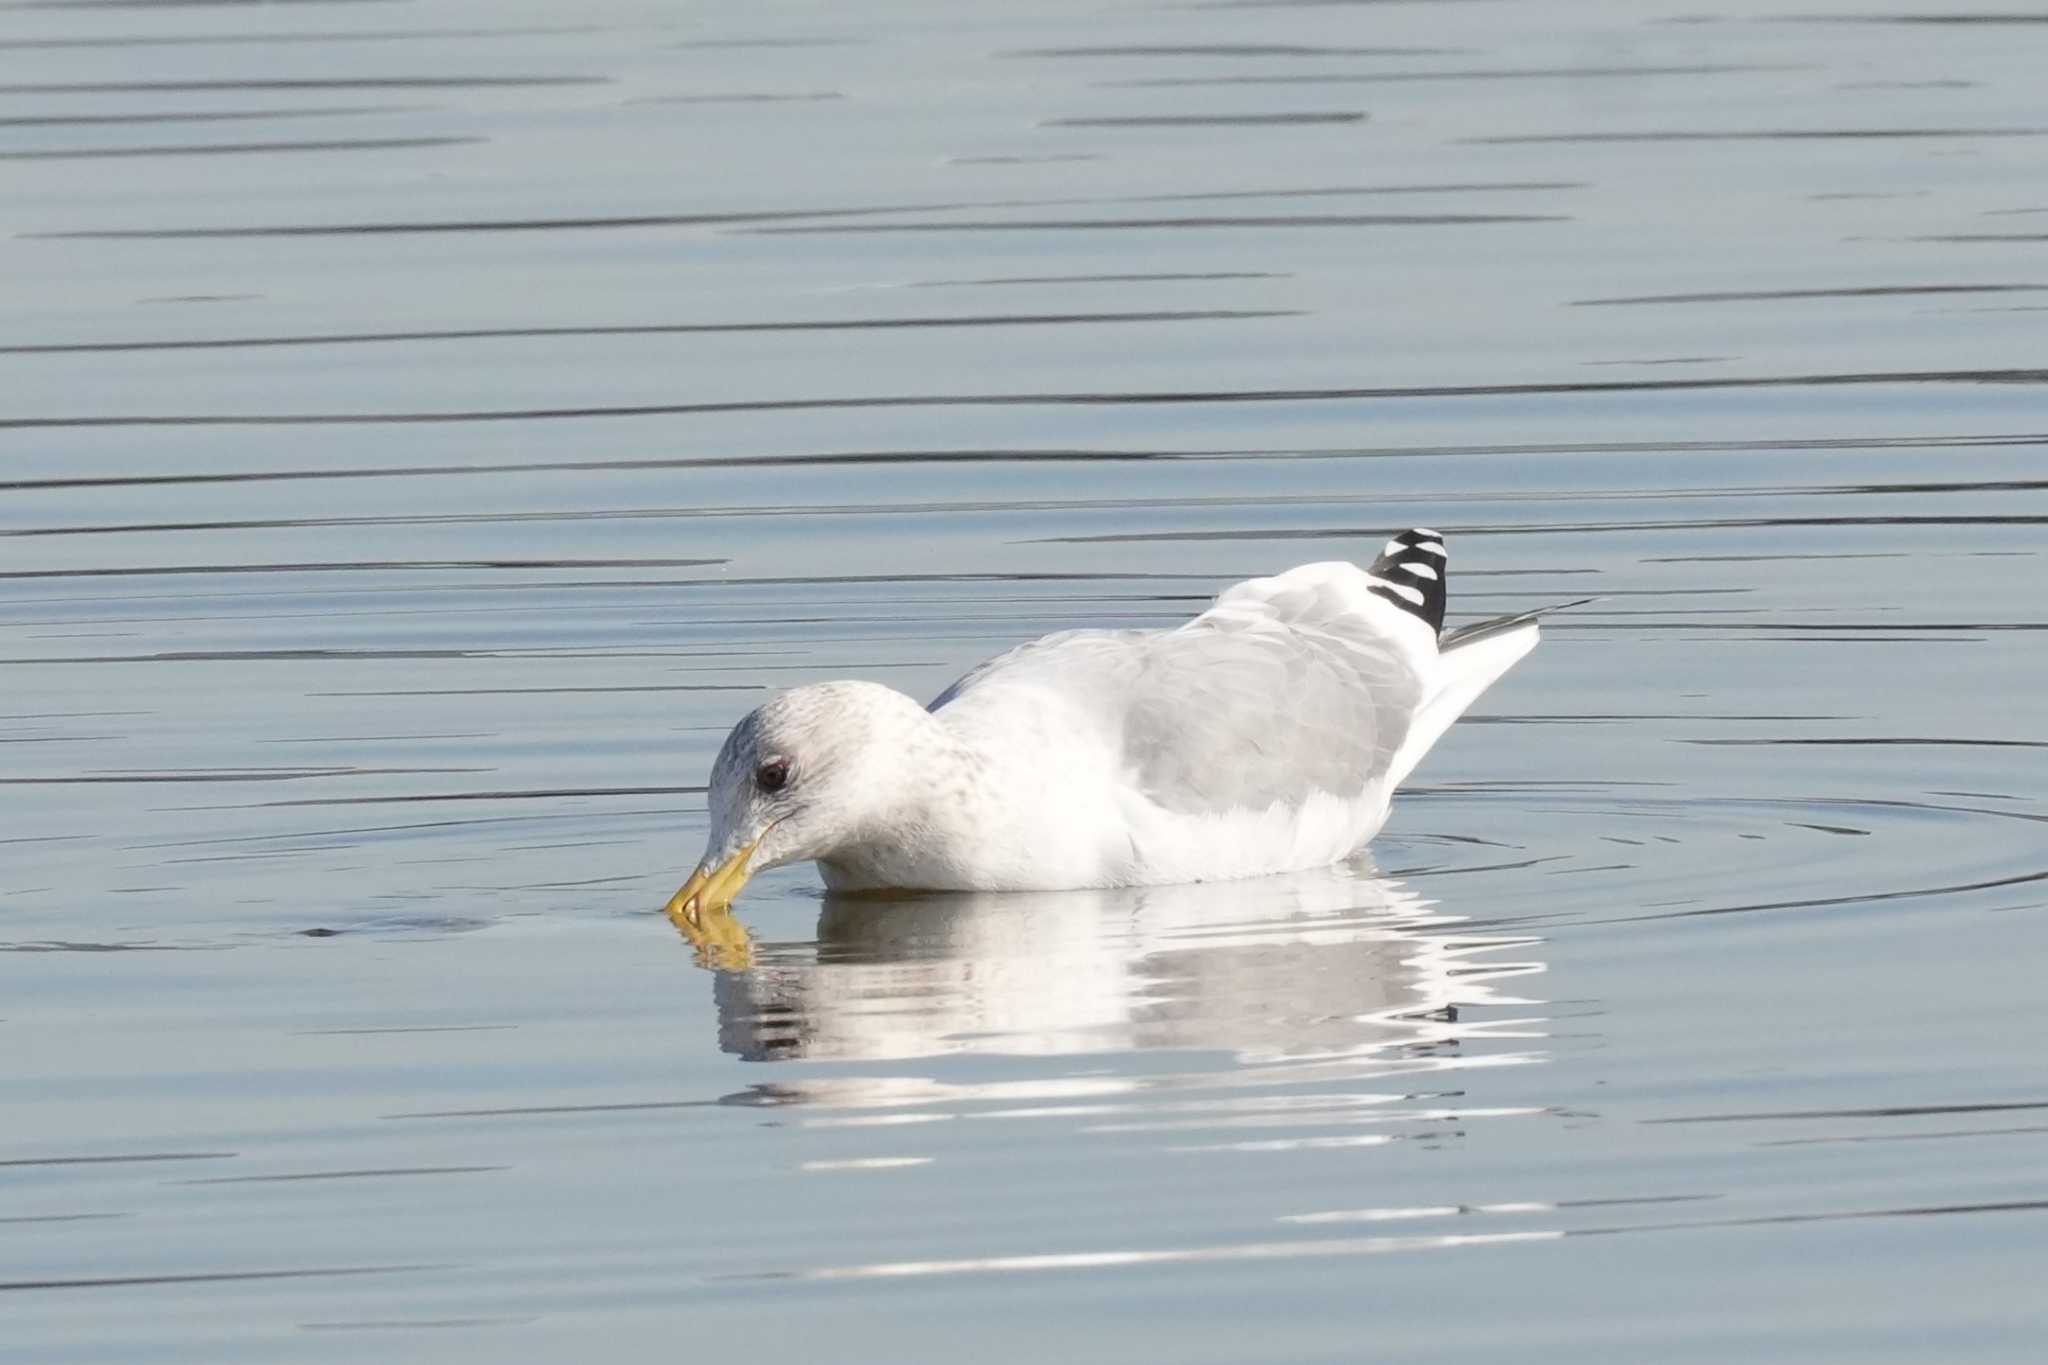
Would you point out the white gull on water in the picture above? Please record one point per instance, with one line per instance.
(1266, 735)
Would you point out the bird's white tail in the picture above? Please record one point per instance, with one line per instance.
(1413, 573)
(1470, 661)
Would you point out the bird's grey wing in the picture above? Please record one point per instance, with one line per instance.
(1091, 667)
(1233, 712)
(1293, 697)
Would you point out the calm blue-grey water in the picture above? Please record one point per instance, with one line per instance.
(425, 426)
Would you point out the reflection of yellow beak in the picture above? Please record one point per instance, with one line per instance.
(710, 892)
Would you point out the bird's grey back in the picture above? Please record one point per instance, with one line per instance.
(1236, 709)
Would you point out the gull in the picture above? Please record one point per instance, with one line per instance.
(1266, 735)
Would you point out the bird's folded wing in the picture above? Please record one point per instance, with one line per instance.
(1251, 703)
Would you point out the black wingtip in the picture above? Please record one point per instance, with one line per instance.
(1480, 630)
(1413, 573)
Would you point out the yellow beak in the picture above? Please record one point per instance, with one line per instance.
(701, 910)
(710, 892)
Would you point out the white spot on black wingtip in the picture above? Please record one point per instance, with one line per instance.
(1410, 573)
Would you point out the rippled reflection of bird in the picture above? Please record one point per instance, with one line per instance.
(1267, 734)
(1332, 963)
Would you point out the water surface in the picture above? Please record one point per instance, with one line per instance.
(424, 428)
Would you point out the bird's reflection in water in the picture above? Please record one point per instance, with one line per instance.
(1337, 965)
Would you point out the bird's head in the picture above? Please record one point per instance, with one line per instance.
(796, 779)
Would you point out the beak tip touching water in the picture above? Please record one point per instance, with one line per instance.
(684, 905)
(690, 904)
(700, 910)
(710, 890)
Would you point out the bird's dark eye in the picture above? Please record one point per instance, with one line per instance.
(773, 775)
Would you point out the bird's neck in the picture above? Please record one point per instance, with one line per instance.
(944, 810)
